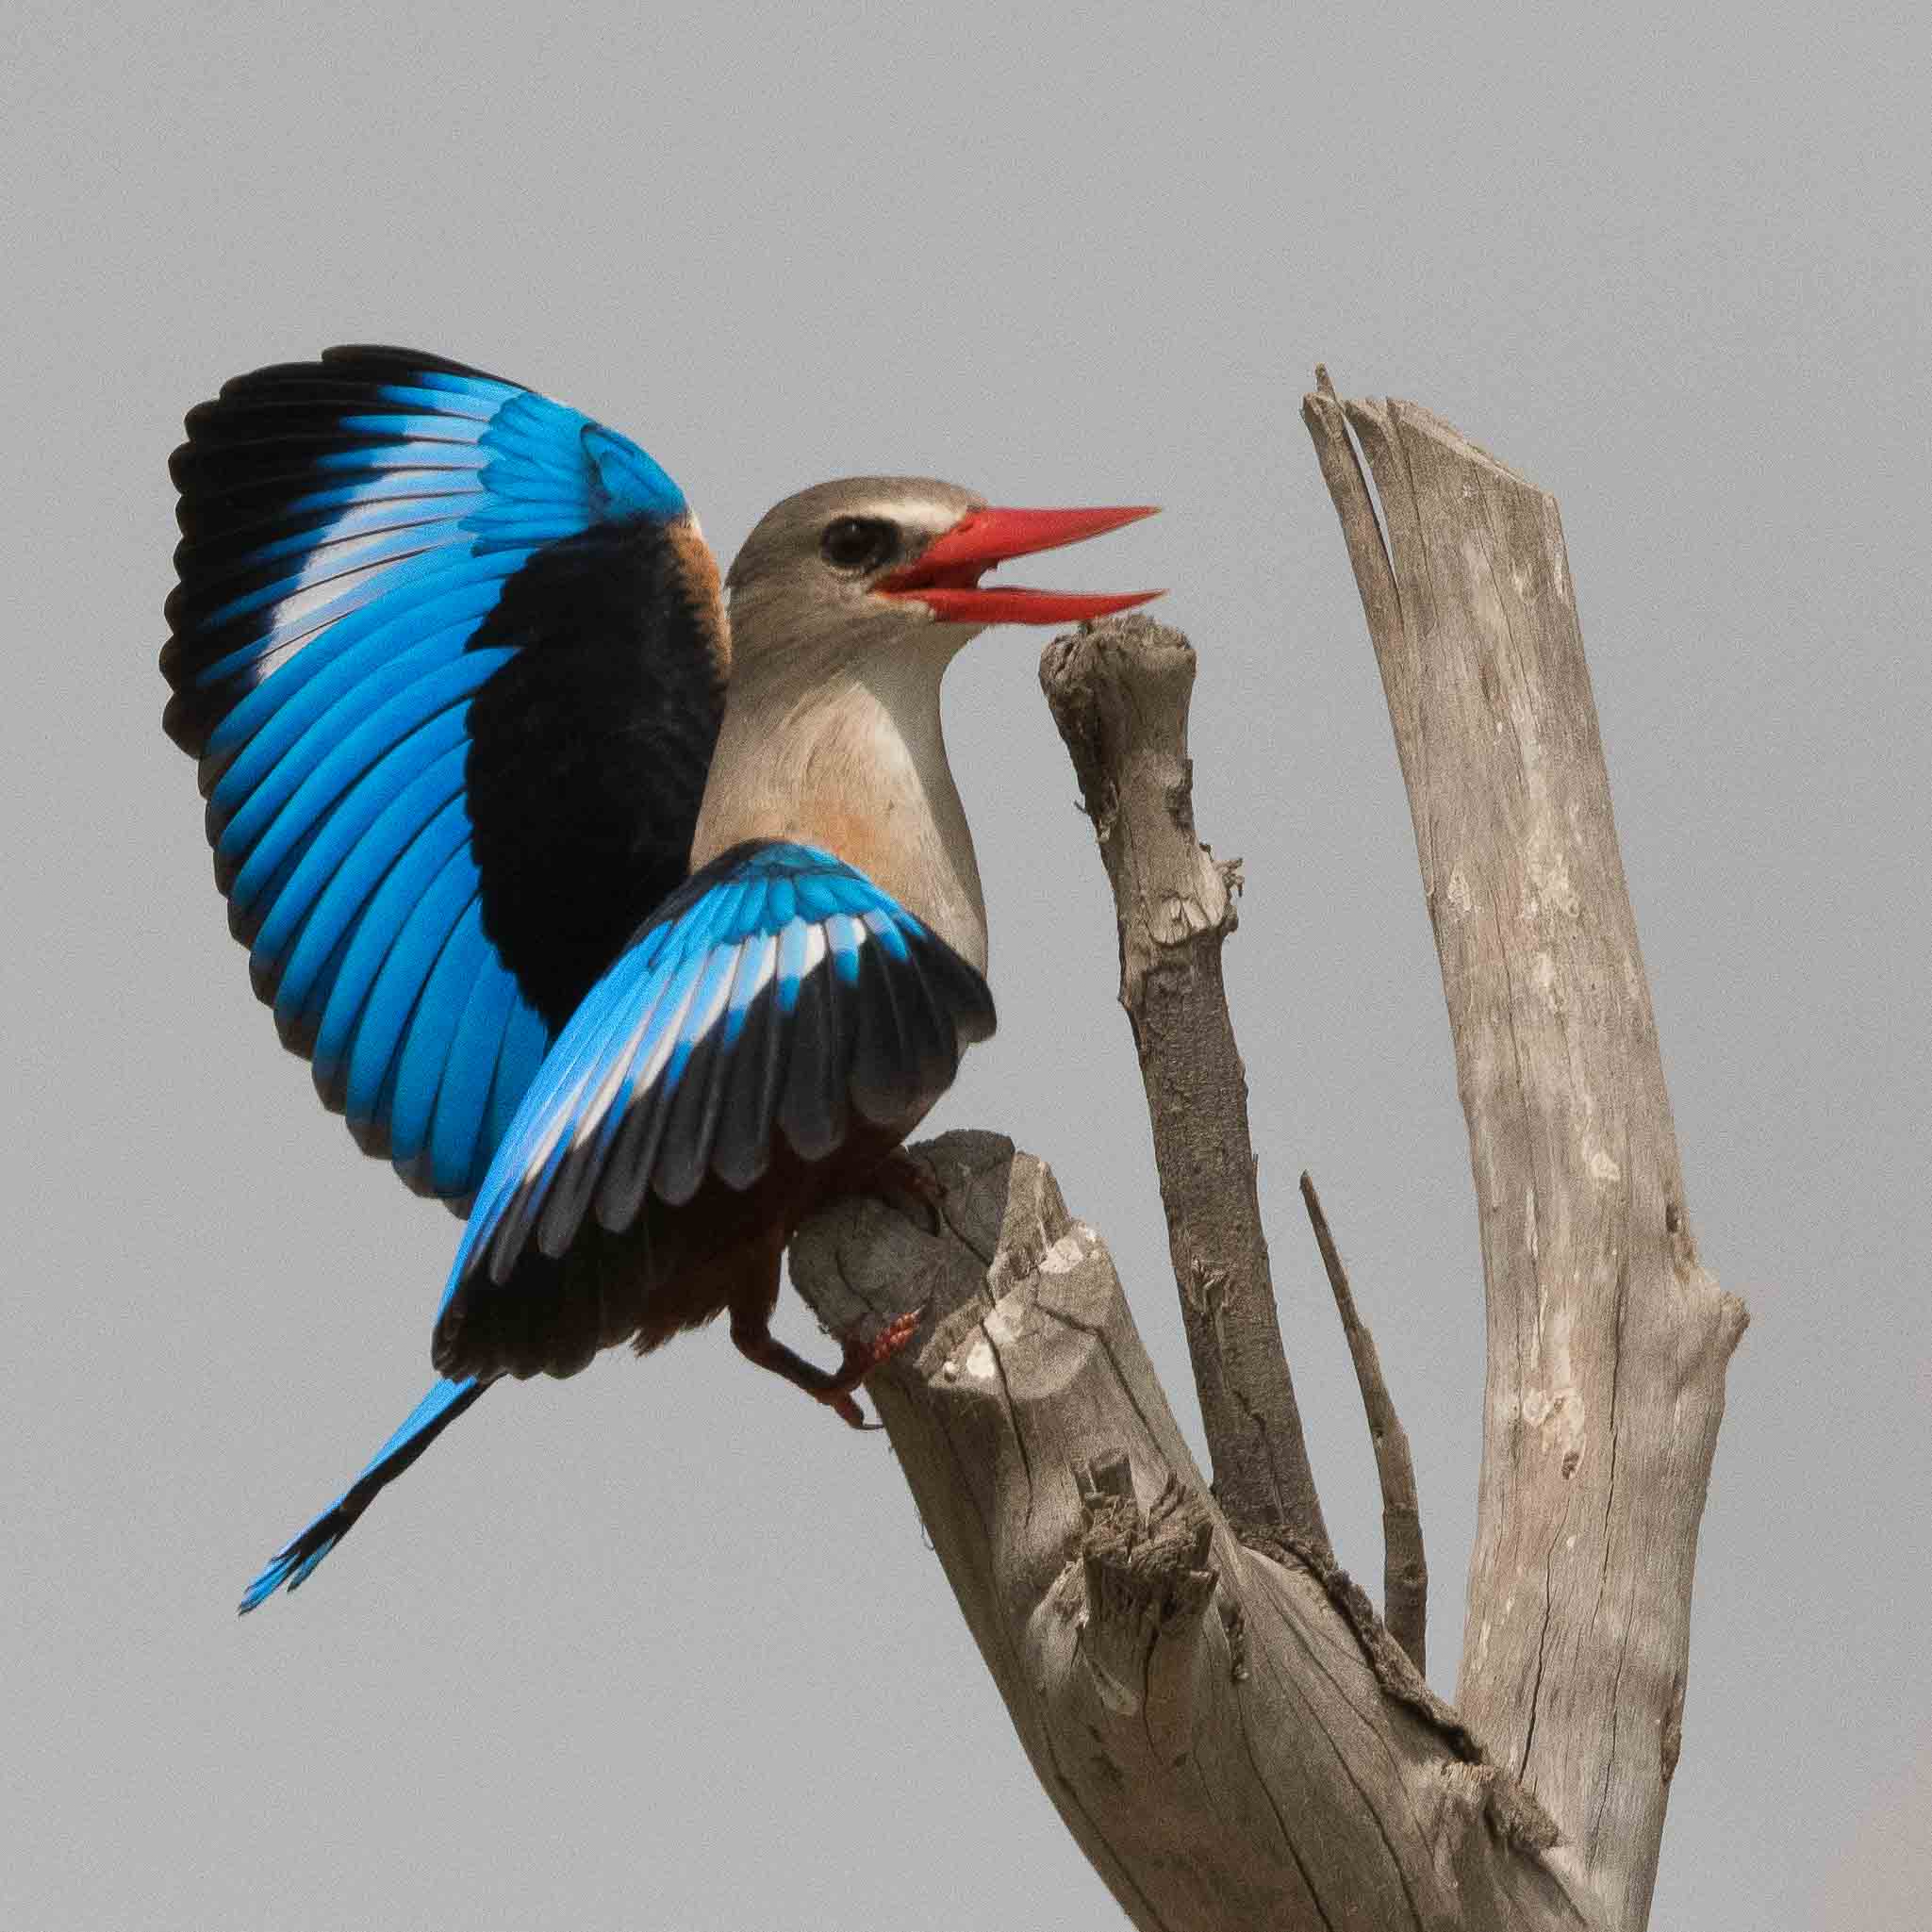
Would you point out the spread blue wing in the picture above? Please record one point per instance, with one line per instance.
(452, 659)
(779, 996)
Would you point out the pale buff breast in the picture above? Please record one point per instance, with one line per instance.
(857, 767)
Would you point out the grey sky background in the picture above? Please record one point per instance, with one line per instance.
(663, 1646)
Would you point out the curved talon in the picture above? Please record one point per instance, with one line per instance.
(847, 1411)
(861, 1358)
(752, 1334)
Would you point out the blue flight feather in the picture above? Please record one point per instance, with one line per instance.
(393, 1001)
(757, 923)
(682, 1060)
(313, 912)
(267, 838)
(348, 650)
(427, 1050)
(395, 898)
(369, 545)
(295, 1561)
(462, 1101)
(526, 1040)
(359, 676)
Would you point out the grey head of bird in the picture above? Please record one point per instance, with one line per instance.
(892, 564)
(846, 604)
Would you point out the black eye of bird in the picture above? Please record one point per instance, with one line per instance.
(857, 543)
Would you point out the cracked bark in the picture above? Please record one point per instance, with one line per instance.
(1119, 694)
(1227, 1727)
(1213, 1731)
(1606, 1338)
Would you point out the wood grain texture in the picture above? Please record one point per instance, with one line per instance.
(1226, 1727)
(1205, 1718)
(1119, 691)
(1405, 1563)
(1607, 1339)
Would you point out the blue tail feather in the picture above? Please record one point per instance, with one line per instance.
(293, 1564)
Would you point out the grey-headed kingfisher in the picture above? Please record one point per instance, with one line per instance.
(630, 914)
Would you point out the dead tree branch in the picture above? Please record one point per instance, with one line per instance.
(1607, 1339)
(1119, 693)
(1405, 1567)
(1204, 1717)
(1230, 1732)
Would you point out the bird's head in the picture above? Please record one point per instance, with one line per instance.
(873, 563)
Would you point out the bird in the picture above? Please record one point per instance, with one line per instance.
(629, 910)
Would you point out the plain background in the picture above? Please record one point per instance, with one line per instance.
(663, 1646)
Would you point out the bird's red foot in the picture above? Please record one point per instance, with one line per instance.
(900, 1182)
(861, 1359)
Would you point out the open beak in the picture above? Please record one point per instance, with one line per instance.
(945, 577)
